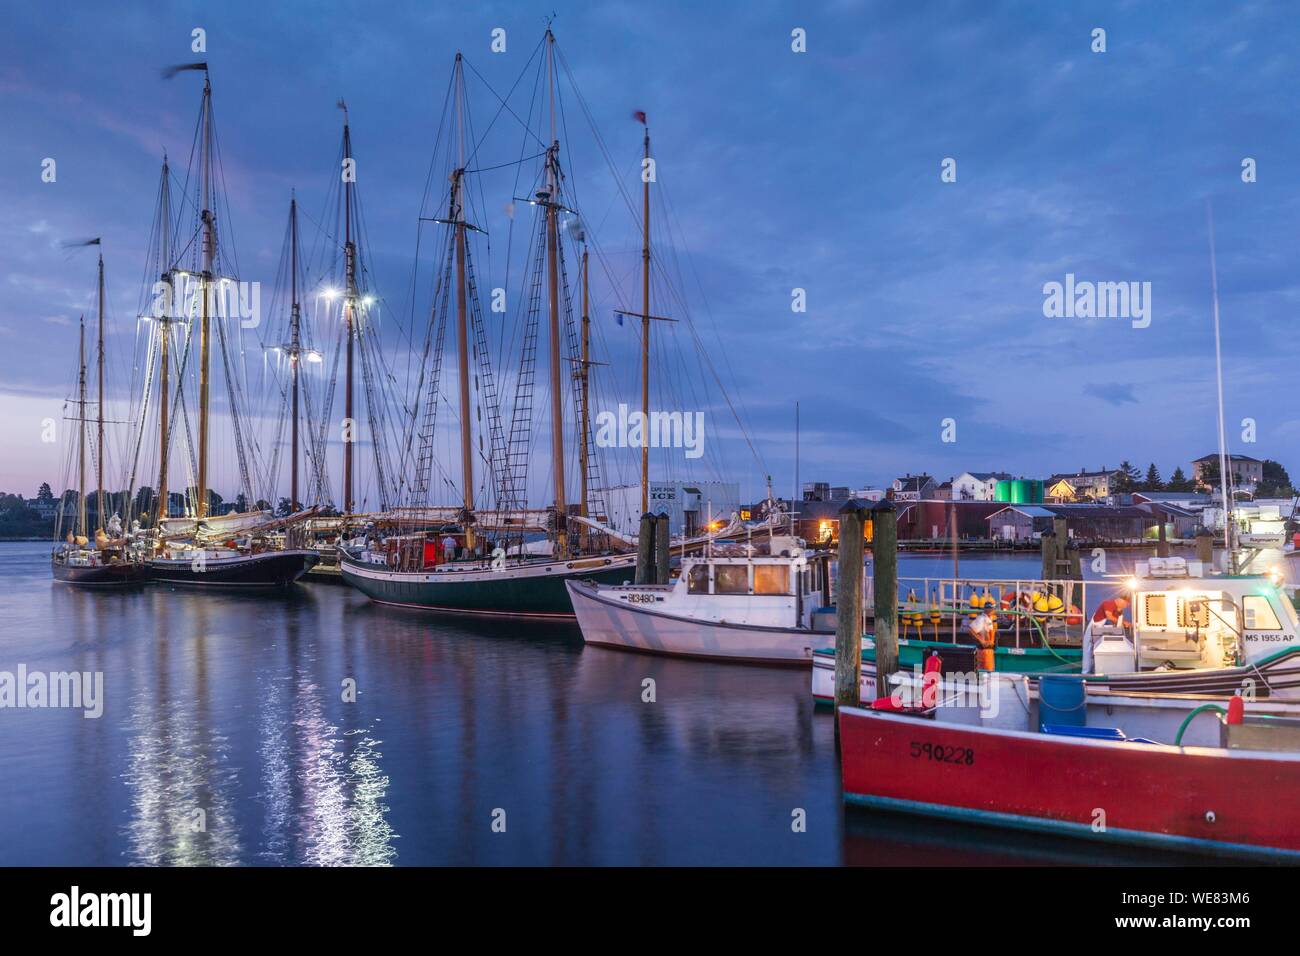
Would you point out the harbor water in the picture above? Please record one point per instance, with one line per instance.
(229, 735)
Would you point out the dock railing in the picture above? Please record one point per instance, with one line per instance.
(1029, 612)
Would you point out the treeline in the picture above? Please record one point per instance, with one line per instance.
(39, 517)
(1276, 483)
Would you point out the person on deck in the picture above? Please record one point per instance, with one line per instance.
(449, 547)
(983, 629)
(1112, 612)
(1109, 613)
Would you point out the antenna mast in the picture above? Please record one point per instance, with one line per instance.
(1218, 374)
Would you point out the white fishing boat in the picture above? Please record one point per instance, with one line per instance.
(751, 602)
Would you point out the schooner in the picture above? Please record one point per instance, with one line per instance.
(246, 548)
(110, 561)
(476, 557)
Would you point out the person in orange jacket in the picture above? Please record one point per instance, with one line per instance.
(984, 630)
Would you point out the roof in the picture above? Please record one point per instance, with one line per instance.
(1029, 511)
(913, 482)
(1215, 457)
(1188, 496)
(1066, 476)
(989, 475)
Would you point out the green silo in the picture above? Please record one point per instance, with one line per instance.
(1002, 492)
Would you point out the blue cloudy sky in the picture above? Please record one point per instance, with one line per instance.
(816, 170)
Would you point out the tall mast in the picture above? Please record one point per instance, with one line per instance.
(164, 340)
(349, 309)
(645, 327)
(584, 372)
(295, 346)
(81, 427)
(205, 282)
(99, 408)
(462, 325)
(553, 280)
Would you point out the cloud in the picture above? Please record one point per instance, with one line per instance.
(1114, 394)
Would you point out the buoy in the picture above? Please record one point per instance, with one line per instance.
(1236, 709)
(1075, 618)
(930, 682)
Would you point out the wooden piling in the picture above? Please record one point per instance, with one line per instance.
(1048, 542)
(662, 549)
(1205, 547)
(884, 562)
(645, 550)
(848, 606)
(1162, 542)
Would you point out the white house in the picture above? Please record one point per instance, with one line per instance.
(977, 485)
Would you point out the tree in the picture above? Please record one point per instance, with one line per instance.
(44, 494)
(284, 508)
(1210, 473)
(1152, 481)
(1125, 479)
(1179, 481)
(1275, 483)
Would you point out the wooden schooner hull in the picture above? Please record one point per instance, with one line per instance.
(121, 574)
(268, 569)
(527, 589)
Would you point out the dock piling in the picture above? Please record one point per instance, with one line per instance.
(848, 606)
(645, 550)
(663, 550)
(884, 563)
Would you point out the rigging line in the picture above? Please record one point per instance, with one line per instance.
(505, 105)
(488, 169)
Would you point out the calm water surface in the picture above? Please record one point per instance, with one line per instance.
(227, 710)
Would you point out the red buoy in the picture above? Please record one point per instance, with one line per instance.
(1236, 709)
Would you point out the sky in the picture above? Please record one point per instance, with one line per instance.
(924, 344)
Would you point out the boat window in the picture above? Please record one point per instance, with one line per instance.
(1154, 611)
(771, 579)
(1194, 612)
(731, 579)
(1259, 613)
(697, 579)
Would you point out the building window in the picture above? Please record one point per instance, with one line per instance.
(1259, 614)
(731, 579)
(771, 579)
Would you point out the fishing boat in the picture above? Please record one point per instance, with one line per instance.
(109, 560)
(1194, 632)
(1096, 782)
(243, 548)
(750, 602)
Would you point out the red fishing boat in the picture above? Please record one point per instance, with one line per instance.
(1088, 782)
